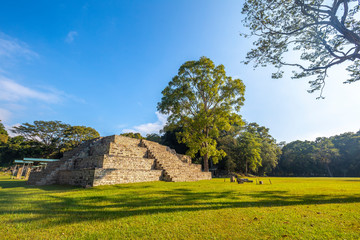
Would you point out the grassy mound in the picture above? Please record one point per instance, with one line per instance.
(291, 208)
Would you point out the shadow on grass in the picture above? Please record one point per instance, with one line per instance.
(122, 201)
(14, 183)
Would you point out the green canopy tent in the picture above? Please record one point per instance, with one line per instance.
(23, 167)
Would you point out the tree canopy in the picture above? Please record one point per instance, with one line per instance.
(202, 101)
(75, 135)
(3, 133)
(47, 132)
(45, 139)
(325, 33)
(132, 135)
(249, 148)
(334, 156)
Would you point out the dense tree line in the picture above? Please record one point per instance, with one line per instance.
(249, 149)
(337, 156)
(42, 139)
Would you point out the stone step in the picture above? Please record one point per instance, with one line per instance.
(113, 161)
(128, 152)
(175, 169)
(117, 176)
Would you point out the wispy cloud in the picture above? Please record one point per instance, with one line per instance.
(13, 92)
(13, 48)
(4, 115)
(148, 128)
(17, 98)
(71, 36)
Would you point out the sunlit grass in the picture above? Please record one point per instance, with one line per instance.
(291, 208)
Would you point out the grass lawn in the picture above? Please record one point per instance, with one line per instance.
(289, 208)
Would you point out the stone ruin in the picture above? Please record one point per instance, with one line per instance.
(117, 159)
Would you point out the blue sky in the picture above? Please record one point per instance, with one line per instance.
(104, 64)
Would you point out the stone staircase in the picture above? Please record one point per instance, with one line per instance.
(117, 159)
(49, 175)
(175, 170)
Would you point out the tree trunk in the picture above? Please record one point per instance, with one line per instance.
(206, 163)
(246, 168)
(206, 157)
(327, 167)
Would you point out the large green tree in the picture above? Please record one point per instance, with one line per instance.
(53, 137)
(49, 133)
(75, 135)
(202, 100)
(324, 33)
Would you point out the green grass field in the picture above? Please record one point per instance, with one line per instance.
(289, 208)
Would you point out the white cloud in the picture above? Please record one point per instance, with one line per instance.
(4, 115)
(70, 36)
(12, 48)
(13, 92)
(16, 98)
(9, 127)
(148, 128)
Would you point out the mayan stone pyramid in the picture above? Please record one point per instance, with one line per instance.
(117, 159)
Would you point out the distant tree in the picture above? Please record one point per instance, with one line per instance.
(270, 155)
(299, 158)
(132, 135)
(49, 133)
(47, 139)
(75, 135)
(249, 150)
(202, 100)
(348, 163)
(324, 33)
(154, 137)
(334, 156)
(231, 161)
(270, 151)
(18, 148)
(3, 134)
(296, 159)
(325, 152)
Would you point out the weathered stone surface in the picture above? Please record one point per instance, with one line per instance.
(117, 159)
(114, 176)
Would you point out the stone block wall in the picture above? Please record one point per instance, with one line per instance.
(83, 177)
(116, 176)
(120, 162)
(88, 162)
